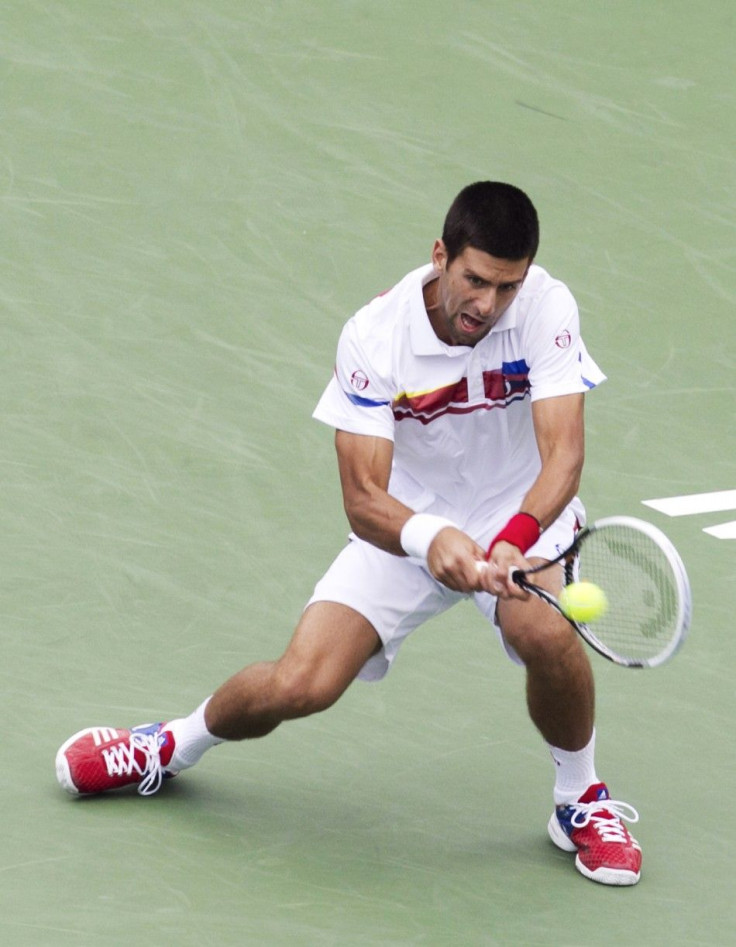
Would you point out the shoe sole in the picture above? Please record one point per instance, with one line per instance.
(605, 876)
(558, 835)
(63, 773)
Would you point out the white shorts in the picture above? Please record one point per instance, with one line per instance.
(397, 594)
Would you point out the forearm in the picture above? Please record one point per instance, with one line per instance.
(550, 493)
(365, 471)
(554, 488)
(378, 518)
(558, 426)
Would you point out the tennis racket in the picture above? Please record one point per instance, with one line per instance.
(645, 582)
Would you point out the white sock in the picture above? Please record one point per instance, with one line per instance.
(192, 739)
(574, 772)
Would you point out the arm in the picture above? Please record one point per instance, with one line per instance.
(364, 463)
(559, 430)
(377, 517)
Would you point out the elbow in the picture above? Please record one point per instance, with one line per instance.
(568, 467)
(357, 516)
(576, 474)
(353, 522)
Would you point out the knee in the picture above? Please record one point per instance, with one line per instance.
(549, 641)
(302, 690)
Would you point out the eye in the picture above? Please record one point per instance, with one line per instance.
(476, 281)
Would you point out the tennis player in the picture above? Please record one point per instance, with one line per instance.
(457, 401)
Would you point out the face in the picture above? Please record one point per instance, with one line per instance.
(471, 293)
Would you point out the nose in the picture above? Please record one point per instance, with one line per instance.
(486, 301)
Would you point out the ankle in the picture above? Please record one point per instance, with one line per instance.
(191, 737)
(574, 771)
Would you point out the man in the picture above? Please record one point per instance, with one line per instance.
(457, 401)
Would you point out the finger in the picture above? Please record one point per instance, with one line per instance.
(489, 579)
(514, 589)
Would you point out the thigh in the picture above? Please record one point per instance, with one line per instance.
(393, 594)
(529, 626)
(330, 645)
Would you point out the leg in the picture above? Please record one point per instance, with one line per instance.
(330, 645)
(328, 649)
(561, 696)
(332, 642)
(560, 687)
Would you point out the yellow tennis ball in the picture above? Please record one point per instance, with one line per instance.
(583, 601)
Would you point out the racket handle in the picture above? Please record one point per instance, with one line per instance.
(517, 576)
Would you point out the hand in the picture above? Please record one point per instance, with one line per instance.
(496, 576)
(453, 560)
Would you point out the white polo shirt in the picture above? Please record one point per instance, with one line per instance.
(459, 416)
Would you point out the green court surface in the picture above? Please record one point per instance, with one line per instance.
(195, 196)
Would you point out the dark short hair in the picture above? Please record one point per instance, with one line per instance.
(496, 218)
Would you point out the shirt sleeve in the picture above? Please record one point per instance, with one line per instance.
(359, 396)
(560, 363)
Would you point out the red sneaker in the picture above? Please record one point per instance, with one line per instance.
(592, 827)
(102, 758)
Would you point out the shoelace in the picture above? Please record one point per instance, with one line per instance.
(605, 816)
(121, 760)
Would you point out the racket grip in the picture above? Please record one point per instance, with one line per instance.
(517, 576)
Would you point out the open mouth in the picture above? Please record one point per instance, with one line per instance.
(469, 323)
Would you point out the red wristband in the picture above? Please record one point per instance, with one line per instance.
(522, 531)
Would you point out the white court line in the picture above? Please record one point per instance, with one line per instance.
(724, 531)
(696, 503)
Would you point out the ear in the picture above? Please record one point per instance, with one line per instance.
(439, 255)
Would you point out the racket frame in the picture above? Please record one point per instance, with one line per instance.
(568, 559)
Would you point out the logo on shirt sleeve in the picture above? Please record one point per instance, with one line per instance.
(563, 340)
(359, 380)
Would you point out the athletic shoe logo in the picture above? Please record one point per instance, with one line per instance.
(102, 735)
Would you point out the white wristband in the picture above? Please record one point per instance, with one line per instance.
(419, 531)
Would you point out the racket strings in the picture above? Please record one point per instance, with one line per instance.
(641, 587)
